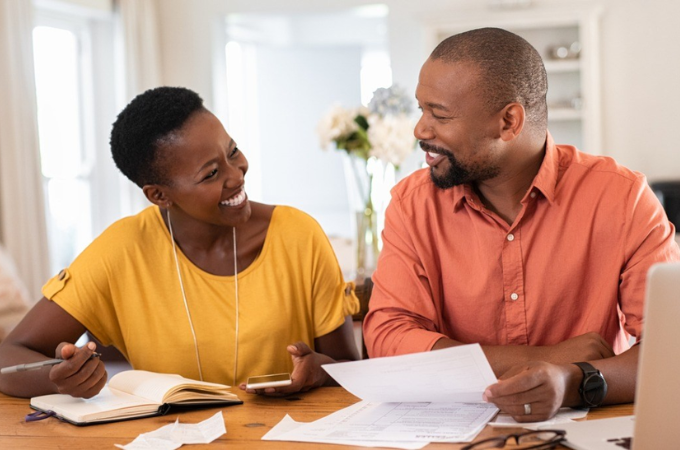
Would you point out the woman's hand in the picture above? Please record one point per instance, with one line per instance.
(307, 372)
(79, 375)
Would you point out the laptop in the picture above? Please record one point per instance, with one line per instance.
(657, 395)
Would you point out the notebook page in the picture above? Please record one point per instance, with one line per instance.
(155, 386)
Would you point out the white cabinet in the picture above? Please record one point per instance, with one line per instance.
(573, 76)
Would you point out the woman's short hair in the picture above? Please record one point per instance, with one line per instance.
(144, 123)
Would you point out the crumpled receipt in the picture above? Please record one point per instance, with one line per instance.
(174, 435)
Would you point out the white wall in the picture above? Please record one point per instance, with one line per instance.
(640, 65)
(641, 85)
(305, 82)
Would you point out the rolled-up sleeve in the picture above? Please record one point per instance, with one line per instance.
(650, 238)
(403, 316)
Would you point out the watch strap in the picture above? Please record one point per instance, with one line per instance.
(586, 368)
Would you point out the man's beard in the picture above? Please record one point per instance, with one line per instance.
(458, 173)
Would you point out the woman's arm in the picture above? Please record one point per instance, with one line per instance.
(338, 345)
(46, 332)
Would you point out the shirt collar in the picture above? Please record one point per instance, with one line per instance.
(546, 178)
(460, 193)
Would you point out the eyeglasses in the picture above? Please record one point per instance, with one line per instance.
(543, 439)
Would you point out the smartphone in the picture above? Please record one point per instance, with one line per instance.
(265, 381)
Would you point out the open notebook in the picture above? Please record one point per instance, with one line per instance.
(657, 394)
(133, 394)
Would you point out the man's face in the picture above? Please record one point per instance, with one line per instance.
(459, 135)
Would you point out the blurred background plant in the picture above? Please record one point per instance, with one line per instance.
(377, 139)
(383, 130)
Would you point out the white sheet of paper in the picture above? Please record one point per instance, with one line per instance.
(387, 424)
(456, 374)
(563, 415)
(288, 424)
(174, 435)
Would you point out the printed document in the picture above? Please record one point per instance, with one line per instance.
(408, 401)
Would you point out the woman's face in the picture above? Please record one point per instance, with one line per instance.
(205, 172)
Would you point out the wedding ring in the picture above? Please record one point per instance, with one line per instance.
(527, 409)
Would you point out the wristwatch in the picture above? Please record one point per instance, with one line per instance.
(593, 388)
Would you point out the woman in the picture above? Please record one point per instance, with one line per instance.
(203, 283)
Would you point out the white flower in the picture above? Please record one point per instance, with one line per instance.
(390, 101)
(383, 130)
(391, 137)
(336, 123)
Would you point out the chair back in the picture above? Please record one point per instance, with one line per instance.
(363, 292)
(668, 193)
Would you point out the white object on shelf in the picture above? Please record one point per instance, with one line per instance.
(562, 66)
(563, 114)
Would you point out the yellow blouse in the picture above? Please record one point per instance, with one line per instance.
(125, 290)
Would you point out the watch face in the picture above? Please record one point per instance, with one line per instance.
(594, 389)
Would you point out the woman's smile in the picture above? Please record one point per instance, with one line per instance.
(236, 200)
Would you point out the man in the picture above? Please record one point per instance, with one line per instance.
(536, 251)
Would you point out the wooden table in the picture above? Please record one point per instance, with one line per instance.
(246, 424)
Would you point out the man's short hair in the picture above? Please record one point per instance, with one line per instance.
(510, 69)
(143, 125)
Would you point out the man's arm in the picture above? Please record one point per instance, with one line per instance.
(587, 347)
(402, 317)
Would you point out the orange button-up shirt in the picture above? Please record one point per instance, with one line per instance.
(574, 260)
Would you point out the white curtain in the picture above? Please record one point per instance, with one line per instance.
(22, 214)
(142, 68)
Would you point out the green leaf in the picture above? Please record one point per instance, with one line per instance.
(362, 122)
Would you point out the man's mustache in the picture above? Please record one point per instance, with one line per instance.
(432, 148)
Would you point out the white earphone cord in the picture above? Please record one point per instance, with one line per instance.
(186, 305)
(236, 297)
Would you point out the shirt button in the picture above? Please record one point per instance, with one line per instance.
(514, 296)
(532, 195)
(511, 237)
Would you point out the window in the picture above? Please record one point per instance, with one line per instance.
(376, 72)
(72, 88)
(241, 118)
(279, 73)
(65, 164)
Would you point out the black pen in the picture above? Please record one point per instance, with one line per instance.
(38, 365)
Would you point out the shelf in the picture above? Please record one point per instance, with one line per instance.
(562, 65)
(563, 114)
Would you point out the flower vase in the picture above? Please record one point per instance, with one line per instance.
(367, 238)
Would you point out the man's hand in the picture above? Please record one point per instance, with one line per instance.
(541, 385)
(307, 372)
(79, 375)
(586, 347)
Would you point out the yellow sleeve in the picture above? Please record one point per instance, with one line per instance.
(82, 290)
(333, 298)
